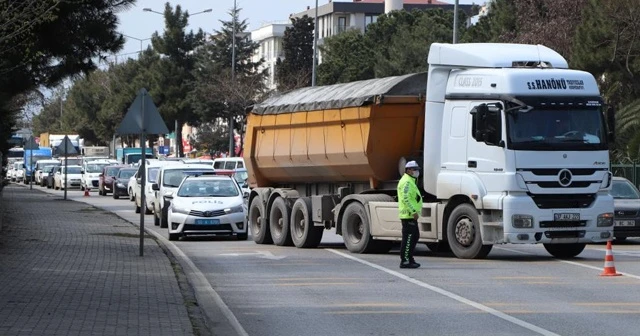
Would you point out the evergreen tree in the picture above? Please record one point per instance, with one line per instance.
(296, 69)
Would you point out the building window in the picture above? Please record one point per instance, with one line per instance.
(342, 24)
(369, 19)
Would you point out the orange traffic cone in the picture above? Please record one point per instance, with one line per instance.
(86, 192)
(609, 268)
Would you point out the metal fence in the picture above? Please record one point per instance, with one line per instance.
(630, 171)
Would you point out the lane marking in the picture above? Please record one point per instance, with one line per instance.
(295, 284)
(364, 312)
(574, 263)
(450, 295)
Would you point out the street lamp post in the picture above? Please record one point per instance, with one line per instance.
(455, 22)
(175, 132)
(315, 48)
(233, 76)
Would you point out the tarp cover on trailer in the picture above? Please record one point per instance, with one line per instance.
(343, 95)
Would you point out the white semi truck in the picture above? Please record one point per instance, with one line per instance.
(513, 144)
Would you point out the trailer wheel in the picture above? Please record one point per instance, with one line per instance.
(279, 222)
(463, 233)
(258, 223)
(303, 233)
(355, 229)
(564, 251)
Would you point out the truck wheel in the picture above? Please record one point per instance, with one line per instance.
(356, 230)
(463, 233)
(279, 222)
(258, 222)
(564, 251)
(303, 233)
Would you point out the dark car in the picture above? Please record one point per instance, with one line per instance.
(122, 180)
(626, 216)
(48, 178)
(108, 178)
(45, 171)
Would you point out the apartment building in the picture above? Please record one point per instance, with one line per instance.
(270, 39)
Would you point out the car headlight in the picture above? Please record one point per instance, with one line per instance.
(235, 209)
(522, 221)
(605, 219)
(179, 209)
(120, 185)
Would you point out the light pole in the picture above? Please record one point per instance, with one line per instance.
(315, 48)
(175, 132)
(455, 22)
(233, 76)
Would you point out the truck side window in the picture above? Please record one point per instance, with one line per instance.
(492, 134)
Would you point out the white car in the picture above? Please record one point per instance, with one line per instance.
(207, 205)
(73, 175)
(153, 168)
(169, 179)
(40, 166)
(131, 186)
(18, 172)
(91, 173)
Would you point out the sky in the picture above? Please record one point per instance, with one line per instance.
(141, 25)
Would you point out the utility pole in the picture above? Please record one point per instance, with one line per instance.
(455, 22)
(233, 77)
(315, 48)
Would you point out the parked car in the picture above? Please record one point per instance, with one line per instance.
(152, 167)
(40, 167)
(18, 174)
(91, 173)
(121, 181)
(626, 216)
(43, 174)
(73, 176)
(131, 186)
(207, 205)
(107, 178)
(169, 179)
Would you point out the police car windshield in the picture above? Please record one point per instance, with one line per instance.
(557, 129)
(208, 188)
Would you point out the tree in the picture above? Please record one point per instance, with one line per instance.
(216, 92)
(296, 69)
(345, 57)
(173, 74)
(45, 41)
(212, 137)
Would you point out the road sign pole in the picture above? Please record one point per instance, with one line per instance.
(66, 172)
(143, 178)
(31, 165)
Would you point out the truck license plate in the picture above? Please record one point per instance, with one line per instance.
(624, 223)
(566, 216)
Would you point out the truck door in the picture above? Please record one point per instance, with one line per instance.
(454, 155)
(486, 149)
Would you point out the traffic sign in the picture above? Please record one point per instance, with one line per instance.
(66, 147)
(142, 117)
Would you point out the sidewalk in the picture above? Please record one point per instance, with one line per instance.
(67, 268)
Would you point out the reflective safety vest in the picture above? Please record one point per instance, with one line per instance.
(409, 198)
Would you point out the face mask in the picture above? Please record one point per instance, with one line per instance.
(415, 173)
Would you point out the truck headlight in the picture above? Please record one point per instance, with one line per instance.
(522, 221)
(605, 219)
(237, 208)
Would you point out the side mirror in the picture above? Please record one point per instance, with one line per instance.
(611, 123)
(155, 187)
(168, 195)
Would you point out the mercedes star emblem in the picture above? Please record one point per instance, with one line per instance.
(564, 177)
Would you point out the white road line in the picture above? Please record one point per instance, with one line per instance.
(450, 295)
(574, 263)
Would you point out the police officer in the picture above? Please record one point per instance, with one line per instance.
(410, 205)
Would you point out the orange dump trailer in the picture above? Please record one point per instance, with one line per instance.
(354, 132)
(316, 156)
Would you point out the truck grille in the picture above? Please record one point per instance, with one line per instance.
(561, 201)
(556, 184)
(214, 213)
(556, 171)
(557, 224)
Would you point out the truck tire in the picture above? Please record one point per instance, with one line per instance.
(258, 222)
(356, 230)
(564, 251)
(463, 233)
(279, 219)
(303, 233)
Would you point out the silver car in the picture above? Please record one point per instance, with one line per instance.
(207, 205)
(626, 217)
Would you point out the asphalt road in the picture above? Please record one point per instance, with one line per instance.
(517, 290)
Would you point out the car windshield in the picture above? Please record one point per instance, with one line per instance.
(95, 167)
(241, 177)
(173, 177)
(557, 129)
(208, 188)
(152, 176)
(624, 190)
(126, 173)
(72, 161)
(112, 171)
(48, 168)
(72, 170)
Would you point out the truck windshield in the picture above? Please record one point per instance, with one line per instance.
(557, 129)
